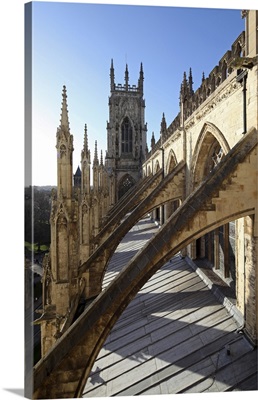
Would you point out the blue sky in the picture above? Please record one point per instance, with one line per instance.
(73, 44)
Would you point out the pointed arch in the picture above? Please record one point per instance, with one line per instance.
(156, 167)
(171, 162)
(126, 141)
(62, 211)
(210, 147)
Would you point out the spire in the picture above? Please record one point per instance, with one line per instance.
(163, 128)
(184, 84)
(78, 171)
(112, 76)
(85, 143)
(184, 79)
(85, 150)
(64, 146)
(190, 80)
(101, 158)
(183, 89)
(153, 141)
(141, 79)
(64, 122)
(163, 125)
(126, 77)
(96, 161)
(77, 178)
(203, 77)
(141, 71)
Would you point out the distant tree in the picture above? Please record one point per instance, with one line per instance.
(37, 214)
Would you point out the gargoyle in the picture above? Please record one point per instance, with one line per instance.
(244, 62)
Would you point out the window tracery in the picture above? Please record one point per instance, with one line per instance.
(126, 137)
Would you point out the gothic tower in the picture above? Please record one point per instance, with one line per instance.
(126, 133)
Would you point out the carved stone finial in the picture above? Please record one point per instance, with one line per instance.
(96, 161)
(126, 76)
(112, 76)
(153, 141)
(64, 122)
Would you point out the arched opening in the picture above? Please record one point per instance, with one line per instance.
(172, 162)
(210, 148)
(172, 205)
(216, 249)
(157, 212)
(126, 137)
(157, 167)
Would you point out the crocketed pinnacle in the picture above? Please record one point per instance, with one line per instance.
(96, 161)
(153, 141)
(85, 143)
(163, 125)
(64, 122)
(126, 76)
(190, 80)
(85, 154)
(112, 76)
(141, 79)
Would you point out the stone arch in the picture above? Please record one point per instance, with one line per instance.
(171, 162)
(125, 183)
(156, 214)
(156, 167)
(238, 51)
(210, 148)
(171, 206)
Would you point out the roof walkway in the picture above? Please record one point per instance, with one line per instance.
(174, 337)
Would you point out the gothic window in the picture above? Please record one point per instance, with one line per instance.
(127, 137)
(125, 184)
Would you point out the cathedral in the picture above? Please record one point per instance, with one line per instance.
(198, 182)
(80, 207)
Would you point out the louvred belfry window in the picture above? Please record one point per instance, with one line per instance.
(127, 137)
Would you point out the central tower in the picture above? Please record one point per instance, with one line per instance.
(126, 134)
